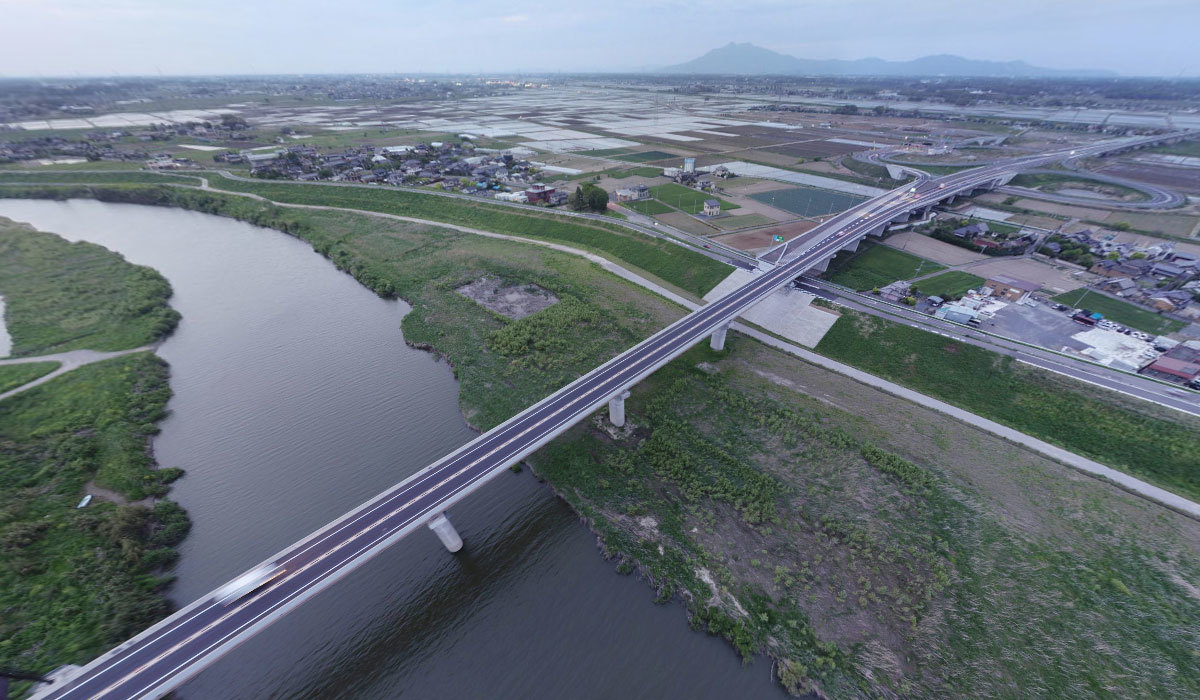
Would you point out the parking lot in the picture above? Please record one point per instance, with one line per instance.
(1039, 325)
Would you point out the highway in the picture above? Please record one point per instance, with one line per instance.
(166, 655)
(1135, 385)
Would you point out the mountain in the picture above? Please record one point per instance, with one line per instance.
(748, 59)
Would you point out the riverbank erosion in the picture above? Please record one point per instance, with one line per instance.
(869, 546)
(74, 581)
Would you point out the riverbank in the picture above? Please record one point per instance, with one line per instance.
(75, 581)
(743, 479)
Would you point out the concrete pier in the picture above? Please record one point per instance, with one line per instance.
(718, 338)
(616, 409)
(446, 532)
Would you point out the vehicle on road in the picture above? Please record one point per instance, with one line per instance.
(248, 582)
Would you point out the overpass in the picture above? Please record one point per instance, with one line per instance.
(164, 656)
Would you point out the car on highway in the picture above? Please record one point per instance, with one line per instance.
(248, 582)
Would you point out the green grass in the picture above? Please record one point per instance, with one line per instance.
(949, 285)
(876, 266)
(687, 199)
(808, 201)
(647, 156)
(734, 223)
(13, 376)
(649, 207)
(73, 583)
(1183, 148)
(687, 270)
(1050, 182)
(65, 296)
(1120, 311)
(132, 176)
(1099, 424)
(603, 152)
(638, 172)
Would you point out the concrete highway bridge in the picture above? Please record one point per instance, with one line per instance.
(164, 656)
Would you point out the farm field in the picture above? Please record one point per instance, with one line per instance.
(949, 285)
(688, 200)
(876, 266)
(1120, 311)
(733, 223)
(645, 156)
(649, 207)
(932, 249)
(808, 201)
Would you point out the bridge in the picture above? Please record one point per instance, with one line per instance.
(164, 656)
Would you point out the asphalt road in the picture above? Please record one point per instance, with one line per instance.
(1133, 385)
(164, 656)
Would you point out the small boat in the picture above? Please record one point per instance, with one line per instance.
(86, 500)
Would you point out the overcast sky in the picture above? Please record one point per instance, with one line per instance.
(172, 37)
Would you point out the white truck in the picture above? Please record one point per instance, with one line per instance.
(248, 582)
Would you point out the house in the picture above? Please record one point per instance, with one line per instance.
(538, 192)
(712, 207)
(1010, 288)
(1170, 301)
(978, 228)
(1179, 365)
(896, 291)
(1166, 270)
(632, 194)
(557, 198)
(1121, 286)
(957, 313)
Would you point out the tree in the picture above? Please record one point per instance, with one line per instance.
(595, 198)
(576, 199)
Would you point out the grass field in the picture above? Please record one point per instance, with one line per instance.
(639, 172)
(605, 152)
(949, 285)
(689, 271)
(1120, 311)
(646, 156)
(808, 201)
(73, 583)
(65, 296)
(1048, 182)
(67, 176)
(1123, 433)
(687, 199)
(649, 207)
(1183, 148)
(876, 266)
(13, 376)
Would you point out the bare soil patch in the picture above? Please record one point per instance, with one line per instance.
(513, 301)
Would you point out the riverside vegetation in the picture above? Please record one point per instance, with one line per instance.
(13, 376)
(67, 296)
(74, 582)
(870, 546)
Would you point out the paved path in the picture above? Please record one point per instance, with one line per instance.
(67, 362)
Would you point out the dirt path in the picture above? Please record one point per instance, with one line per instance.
(67, 362)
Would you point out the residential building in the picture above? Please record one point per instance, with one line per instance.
(978, 228)
(712, 207)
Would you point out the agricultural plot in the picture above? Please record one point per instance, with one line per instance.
(649, 207)
(646, 156)
(808, 201)
(686, 199)
(876, 266)
(949, 285)
(1120, 311)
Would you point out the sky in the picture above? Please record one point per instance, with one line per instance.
(185, 37)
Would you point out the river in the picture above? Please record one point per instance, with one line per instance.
(295, 399)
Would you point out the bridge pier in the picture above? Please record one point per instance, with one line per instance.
(446, 533)
(616, 409)
(718, 338)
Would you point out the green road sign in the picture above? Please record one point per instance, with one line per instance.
(777, 238)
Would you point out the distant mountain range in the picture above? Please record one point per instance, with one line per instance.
(748, 59)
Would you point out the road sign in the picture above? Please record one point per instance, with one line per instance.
(777, 238)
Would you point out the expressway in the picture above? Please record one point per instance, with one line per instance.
(164, 656)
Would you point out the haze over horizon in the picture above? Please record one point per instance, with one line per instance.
(145, 37)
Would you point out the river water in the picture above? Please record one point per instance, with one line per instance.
(295, 399)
